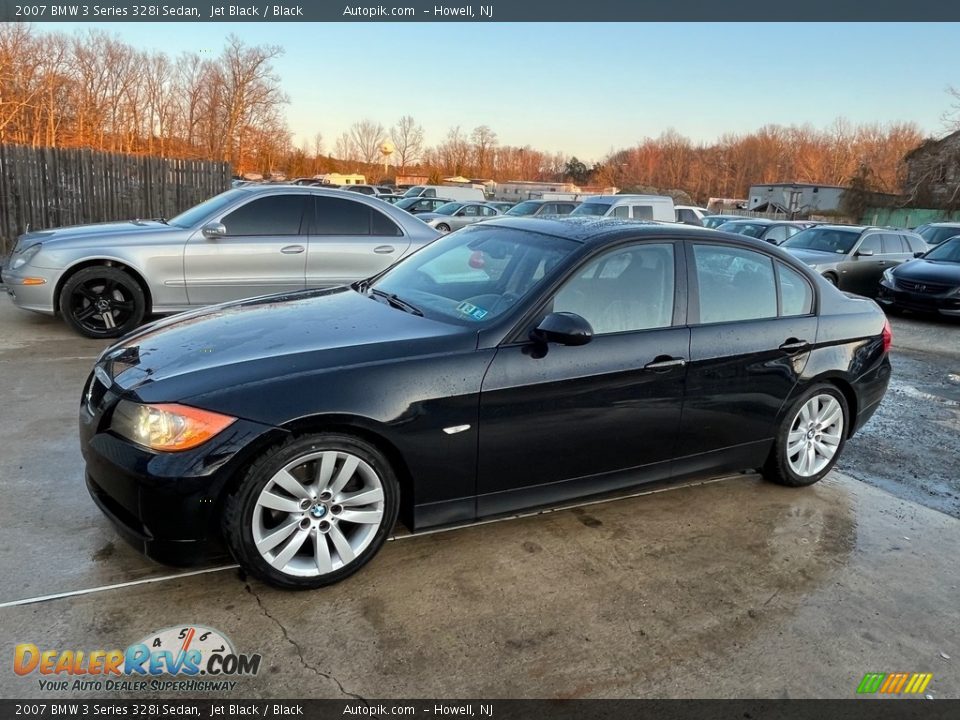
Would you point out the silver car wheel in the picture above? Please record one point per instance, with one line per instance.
(318, 513)
(815, 434)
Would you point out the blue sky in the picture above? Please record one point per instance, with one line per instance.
(586, 88)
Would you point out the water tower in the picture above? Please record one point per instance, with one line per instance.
(386, 150)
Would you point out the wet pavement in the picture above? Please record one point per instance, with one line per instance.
(731, 588)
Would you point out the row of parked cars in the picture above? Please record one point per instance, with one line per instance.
(265, 238)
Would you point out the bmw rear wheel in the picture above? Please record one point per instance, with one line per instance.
(312, 511)
(810, 437)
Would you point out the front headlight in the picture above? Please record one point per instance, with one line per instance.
(167, 427)
(888, 276)
(25, 257)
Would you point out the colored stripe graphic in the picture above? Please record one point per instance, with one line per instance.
(894, 683)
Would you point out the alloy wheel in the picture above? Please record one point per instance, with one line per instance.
(101, 305)
(815, 435)
(318, 513)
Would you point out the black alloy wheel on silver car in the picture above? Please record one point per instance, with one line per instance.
(312, 510)
(102, 302)
(810, 437)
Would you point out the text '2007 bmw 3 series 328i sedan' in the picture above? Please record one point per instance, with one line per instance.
(514, 364)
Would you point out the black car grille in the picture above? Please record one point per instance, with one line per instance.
(923, 288)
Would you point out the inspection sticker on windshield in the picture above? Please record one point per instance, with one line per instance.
(477, 313)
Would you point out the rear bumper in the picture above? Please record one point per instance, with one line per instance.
(870, 389)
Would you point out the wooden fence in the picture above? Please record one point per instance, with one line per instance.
(50, 187)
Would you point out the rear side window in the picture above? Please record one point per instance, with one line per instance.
(796, 295)
(339, 216)
(621, 212)
(734, 284)
(642, 212)
(273, 215)
(913, 243)
(892, 244)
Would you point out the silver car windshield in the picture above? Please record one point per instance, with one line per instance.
(947, 251)
(524, 208)
(198, 213)
(473, 275)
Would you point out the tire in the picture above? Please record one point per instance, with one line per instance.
(102, 302)
(443, 227)
(785, 466)
(832, 279)
(288, 502)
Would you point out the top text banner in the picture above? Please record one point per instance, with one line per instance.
(499, 11)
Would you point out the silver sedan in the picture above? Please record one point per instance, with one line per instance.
(255, 240)
(455, 215)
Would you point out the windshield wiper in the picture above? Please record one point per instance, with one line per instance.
(397, 302)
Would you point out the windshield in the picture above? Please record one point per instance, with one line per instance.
(407, 203)
(414, 191)
(448, 208)
(830, 240)
(525, 208)
(198, 213)
(591, 209)
(936, 235)
(947, 251)
(753, 230)
(472, 276)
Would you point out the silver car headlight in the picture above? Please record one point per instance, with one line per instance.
(25, 257)
(888, 276)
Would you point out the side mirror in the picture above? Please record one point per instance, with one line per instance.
(919, 254)
(563, 328)
(214, 230)
(864, 253)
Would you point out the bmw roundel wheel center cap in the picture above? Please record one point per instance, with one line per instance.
(318, 510)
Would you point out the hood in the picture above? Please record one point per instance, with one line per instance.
(224, 346)
(921, 270)
(814, 257)
(96, 231)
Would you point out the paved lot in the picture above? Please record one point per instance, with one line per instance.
(728, 588)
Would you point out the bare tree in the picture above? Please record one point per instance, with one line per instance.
(407, 139)
(343, 148)
(366, 137)
(484, 140)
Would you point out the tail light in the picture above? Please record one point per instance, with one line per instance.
(887, 336)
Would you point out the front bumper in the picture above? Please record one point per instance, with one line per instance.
(35, 297)
(943, 304)
(167, 505)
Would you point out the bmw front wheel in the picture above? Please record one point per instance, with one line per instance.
(312, 511)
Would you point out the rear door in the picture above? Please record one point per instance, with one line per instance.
(752, 326)
(349, 240)
(264, 251)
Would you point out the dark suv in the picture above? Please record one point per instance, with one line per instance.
(936, 233)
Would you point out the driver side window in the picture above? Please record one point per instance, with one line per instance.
(623, 290)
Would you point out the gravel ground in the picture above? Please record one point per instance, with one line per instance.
(911, 446)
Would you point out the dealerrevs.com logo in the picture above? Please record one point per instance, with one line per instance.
(186, 658)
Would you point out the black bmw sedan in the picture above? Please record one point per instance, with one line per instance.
(928, 284)
(513, 364)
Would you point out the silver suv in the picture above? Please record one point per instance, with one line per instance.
(254, 240)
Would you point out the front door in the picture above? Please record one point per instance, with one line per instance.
(558, 422)
(263, 252)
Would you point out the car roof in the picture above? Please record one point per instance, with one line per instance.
(944, 224)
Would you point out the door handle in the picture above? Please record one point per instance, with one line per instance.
(664, 362)
(384, 249)
(292, 249)
(794, 345)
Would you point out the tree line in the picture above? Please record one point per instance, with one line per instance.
(93, 90)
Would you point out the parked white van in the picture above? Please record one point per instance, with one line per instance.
(628, 207)
(454, 192)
